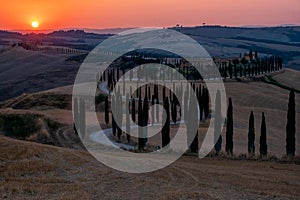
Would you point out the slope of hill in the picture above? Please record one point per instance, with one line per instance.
(36, 171)
(27, 71)
(30, 71)
(231, 41)
(247, 96)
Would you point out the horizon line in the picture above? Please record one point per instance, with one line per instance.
(88, 29)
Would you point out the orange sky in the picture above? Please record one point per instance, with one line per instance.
(56, 14)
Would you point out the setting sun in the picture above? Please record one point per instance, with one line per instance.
(35, 24)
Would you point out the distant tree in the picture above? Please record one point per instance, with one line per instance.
(165, 133)
(235, 63)
(230, 70)
(241, 71)
(106, 110)
(255, 55)
(249, 67)
(251, 135)
(229, 128)
(251, 54)
(263, 148)
(279, 62)
(291, 125)
(218, 124)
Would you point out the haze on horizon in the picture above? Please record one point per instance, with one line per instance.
(55, 14)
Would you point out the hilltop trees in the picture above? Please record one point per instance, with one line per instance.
(251, 135)
(291, 125)
(229, 129)
(263, 148)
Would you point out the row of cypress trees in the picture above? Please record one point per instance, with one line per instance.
(263, 147)
(143, 112)
(170, 104)
(242, 67)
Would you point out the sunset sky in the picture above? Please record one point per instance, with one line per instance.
(58, 14)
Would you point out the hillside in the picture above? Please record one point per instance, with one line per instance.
(38, 171)
(23, 71)
(55, 105)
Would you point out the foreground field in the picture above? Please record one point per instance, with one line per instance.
(36, 171)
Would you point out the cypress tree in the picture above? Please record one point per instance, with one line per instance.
(82, 118)
(263, 137)
(206, 103)
(140, 123)
(76, 111)
(251, 54)
(241, 71)
(145, 119)
(119, 113)
(174, 111)
(195, 146)
(251, 135)
(291, 125)
(235, 62)
(146, 111)
(76, 115)
(218, 124)
(165, 133)
(113, 122)
(152, 111)
(201, 102)
(133, 109)
(127, 119)
(106, 111)
(191, 121)
(157, 109)
(230, 70)
(229, 129)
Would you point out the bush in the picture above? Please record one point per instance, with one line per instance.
(99, 98)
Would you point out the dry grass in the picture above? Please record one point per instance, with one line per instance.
(35, 171)
(289, 77)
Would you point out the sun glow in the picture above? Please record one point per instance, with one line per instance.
(35, 24)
